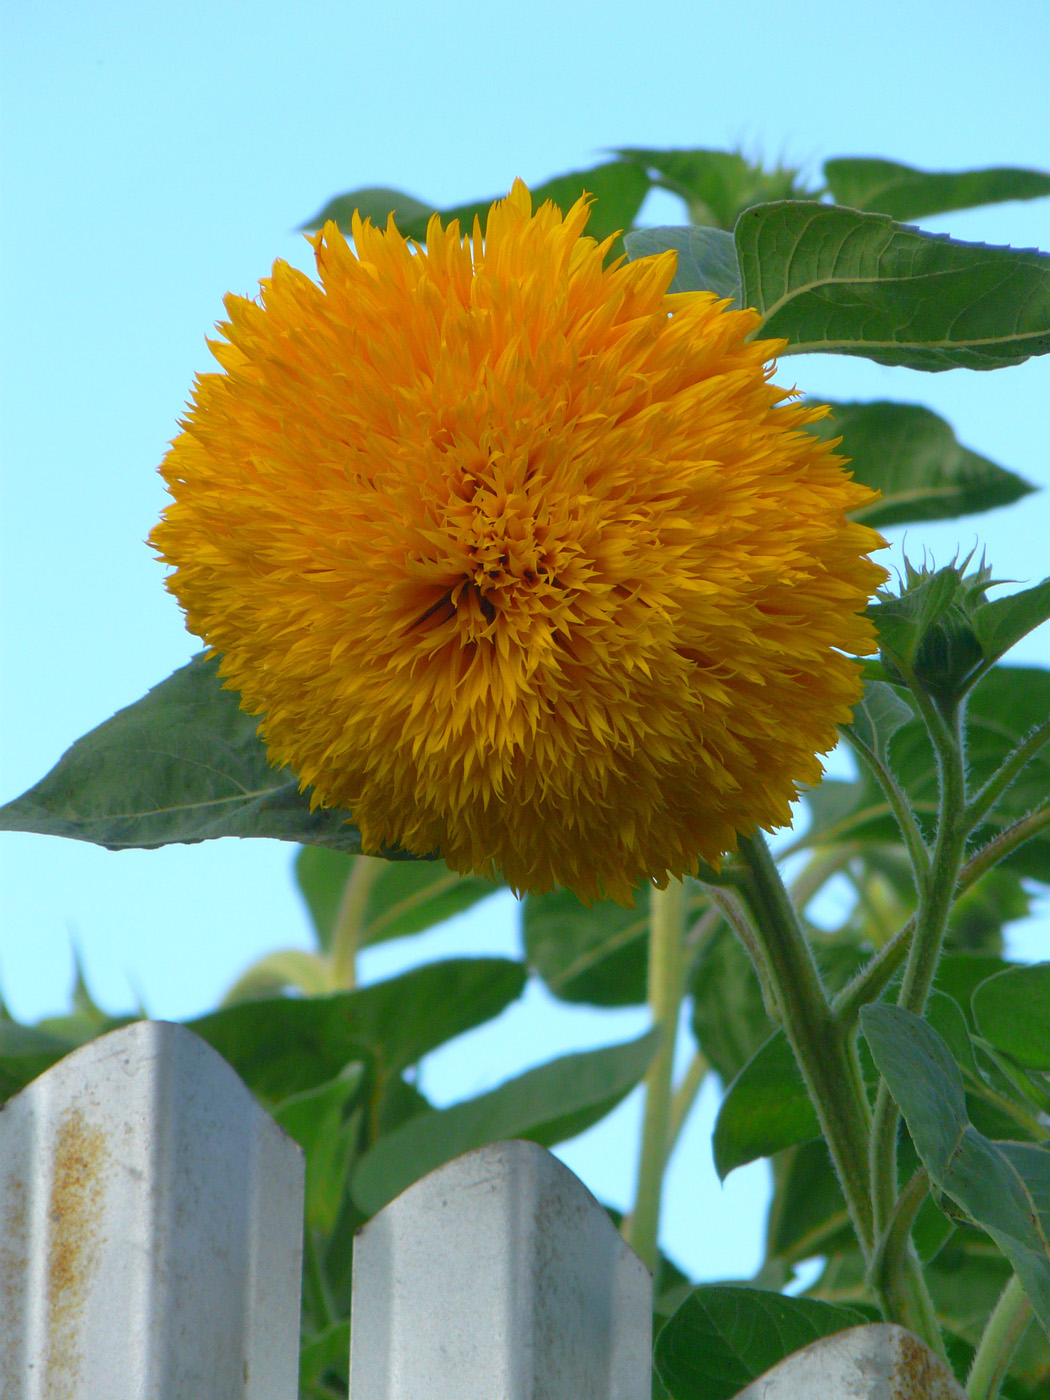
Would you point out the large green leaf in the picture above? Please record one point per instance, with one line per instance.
(728, 1017)
(286, 1045)
(619, 188)
(721, 1338)
(904, 193)
(766, 1108)
(544, 1105)
(717, 186)
(1002, 1187)
(594, 953)
(182, 764)
(706, 258)
(1012, 1012)
(405, 896)
(913, 458)
(839, 281)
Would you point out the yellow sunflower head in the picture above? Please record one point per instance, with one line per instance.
(519, 557)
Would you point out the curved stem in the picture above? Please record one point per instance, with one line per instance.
(1002, 845)
(350, 920)
(1003, 1331)
(983, 801)
(895, 1272)
(901, 808)
(826, 1057)
(666, 929)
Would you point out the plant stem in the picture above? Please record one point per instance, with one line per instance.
(322, 1304)
(899, 1283)
(350, 920)
(983, 801)
(666, 928)
(1002, 1333)
(684, 1097)
(871, 981)
(826, 1057)
(895, 1273)
(1002, 845)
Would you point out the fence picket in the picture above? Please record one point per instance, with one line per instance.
(150, 1229)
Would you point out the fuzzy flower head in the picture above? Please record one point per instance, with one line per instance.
(519, 557)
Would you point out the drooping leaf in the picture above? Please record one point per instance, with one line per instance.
(1003, 1188)
(905, 193)
(1012, 1011)
(717, 186)
(182, 764)
(766, 1108)
(595, 954)
(839, 281)
(286, 1045)
(405, 896)
(913, 457)
(706, 258)
(545, 1105)
(721, 1338)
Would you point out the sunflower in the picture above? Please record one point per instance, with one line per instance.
(519, 557)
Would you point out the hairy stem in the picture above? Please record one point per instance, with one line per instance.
(350, 920)
(983, 801)
(666, 929)
(1003, 1331)
(895, 1272)
(826, 1057)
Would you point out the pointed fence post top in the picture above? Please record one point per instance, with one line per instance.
(880, 1361)
(498, 1277)
(150, 1228)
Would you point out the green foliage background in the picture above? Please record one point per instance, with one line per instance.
(831, 270)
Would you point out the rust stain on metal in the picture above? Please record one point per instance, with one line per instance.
(13, 1261)
(920, 1375)
(74, 1210)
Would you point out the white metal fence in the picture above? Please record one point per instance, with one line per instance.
(150, 1249)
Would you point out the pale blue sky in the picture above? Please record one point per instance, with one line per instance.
(157, 157)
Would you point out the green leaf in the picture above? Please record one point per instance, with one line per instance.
(904, 193)
(1012, 1012)
(595, 954)
(838, 281)
(321, 1122)
(765, 1109)
(287, 1045)
(376, 203)
(545, 1105)
(619, 187)
(325, 1351)
(1004, 621)
(721, 1338)
(25, 1052)
(808, 1215)
(728, 1017)
(912, 456)
(877, 716)
(182, 764)
(1003, 1189)
(706, 258)
(717, 186)
(405, 897)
